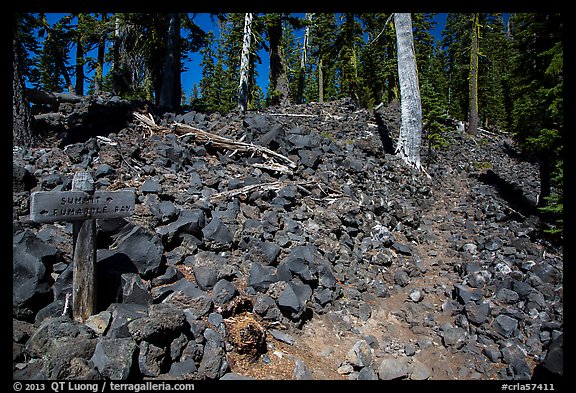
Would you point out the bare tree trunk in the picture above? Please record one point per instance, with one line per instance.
(411, 127)
(170, 92)
(302, 73)
(117, 85)
(245, 64)
(473, 88)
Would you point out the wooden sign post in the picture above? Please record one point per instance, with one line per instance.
(82, 206)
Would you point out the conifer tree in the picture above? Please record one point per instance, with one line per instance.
(347, 42)
(473, 77)
(323, 46)
(374, 60)
(22, 134)
(538, 99)
(456, 43)
(278, 88)
(54, 57)
(494, 79)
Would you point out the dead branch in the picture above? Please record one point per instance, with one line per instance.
(216, 140)
(274, 167)
(244, 190)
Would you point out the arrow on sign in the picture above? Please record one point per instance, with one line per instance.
(108, 199)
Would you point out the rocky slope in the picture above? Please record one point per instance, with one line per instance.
(307, 251)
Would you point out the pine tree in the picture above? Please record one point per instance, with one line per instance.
(538, 99)
(347, 43)
(473, 77)
(433, 83)
(494, 74)
(456, 43)
(278, 88)
(170, 89)
(54, 57)
(21, 118)
(374, 62)
(323, 46)
(294, 63)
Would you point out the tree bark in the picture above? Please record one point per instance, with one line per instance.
(245, 64)
(21, 119)
(170, 91)
(118, 87)
(411, 106)
(320, 82)
(79, 87)
(473, 87)
(98, 75)
(279, 89)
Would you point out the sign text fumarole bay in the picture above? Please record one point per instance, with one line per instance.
(50, 206)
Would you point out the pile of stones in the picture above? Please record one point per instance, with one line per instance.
(219, 234)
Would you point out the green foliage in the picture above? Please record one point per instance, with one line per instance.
(537, 116)
(456, 43)
(482, 165)
(273, 97)
(378, 67)
(322, 48)
(433, 116)
(347, 43)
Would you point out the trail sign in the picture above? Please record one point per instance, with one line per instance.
(50, 206)
(82, 206)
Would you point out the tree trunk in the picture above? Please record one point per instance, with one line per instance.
(349, 81)
(170, 91)
(473, 88)
(99, 73)
(66, 76)
(320, 82)
(411, 127)
(117, 85)
(545, 170)
(392, 83)
(21, 118)
(279, 89)
(79, 88)
(302, 72)
(245, 64)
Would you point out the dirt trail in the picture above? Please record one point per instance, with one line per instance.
(399, 325)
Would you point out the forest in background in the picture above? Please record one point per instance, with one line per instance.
(496, 74)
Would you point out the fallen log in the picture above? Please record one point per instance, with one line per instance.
(43, 97)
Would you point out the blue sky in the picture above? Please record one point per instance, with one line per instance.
(193, 73)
